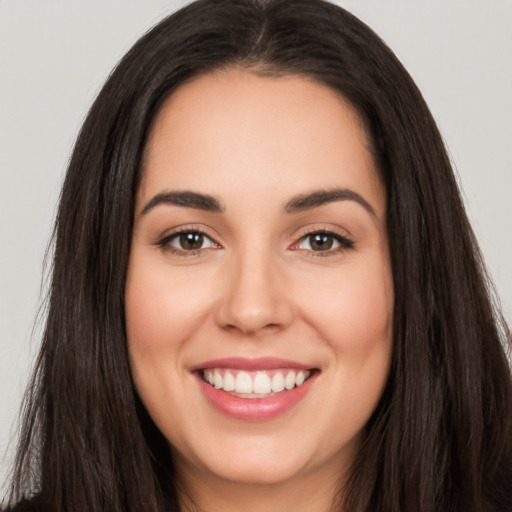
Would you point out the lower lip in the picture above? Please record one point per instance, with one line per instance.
(254, 409)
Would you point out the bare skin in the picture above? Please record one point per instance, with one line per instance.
(266, 276)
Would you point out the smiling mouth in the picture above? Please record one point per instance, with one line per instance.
(255, 384)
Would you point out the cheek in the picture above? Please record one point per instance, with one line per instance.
(351, 309)
(365, 316)
(354, 309)
(162, 312)
(357, 316)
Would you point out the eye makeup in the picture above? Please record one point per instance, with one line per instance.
(190, 241)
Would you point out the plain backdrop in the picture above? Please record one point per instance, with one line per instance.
(55, 55)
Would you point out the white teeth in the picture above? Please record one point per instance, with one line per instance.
(229, 382)
(243, 383)
(289, 381)
(301, 377)
(255, 384)
(262, 384)
(217, 379)
(277, 382)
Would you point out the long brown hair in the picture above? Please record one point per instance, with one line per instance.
(441, 437)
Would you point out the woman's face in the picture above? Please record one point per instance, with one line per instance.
(259, 263)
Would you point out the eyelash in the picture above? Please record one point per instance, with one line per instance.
(345, 244)
(165, 242)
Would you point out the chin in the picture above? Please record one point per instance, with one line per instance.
(247, 461)
(270, 471)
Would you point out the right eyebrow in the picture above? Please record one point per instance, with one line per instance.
(318, 198)
(187, 199)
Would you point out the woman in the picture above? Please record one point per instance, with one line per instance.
(265, 292)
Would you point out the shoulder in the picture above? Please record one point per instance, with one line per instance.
(503, 490)
(30, 505)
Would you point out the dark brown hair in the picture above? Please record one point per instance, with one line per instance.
(441, 437)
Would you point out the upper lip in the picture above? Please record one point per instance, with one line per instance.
(251, 364)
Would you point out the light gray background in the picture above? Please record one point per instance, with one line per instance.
(54, 56)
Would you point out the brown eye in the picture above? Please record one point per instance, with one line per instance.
(187, 242)
(321, 242)
(191, 241)
(324, 243)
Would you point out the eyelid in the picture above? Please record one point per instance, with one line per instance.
(163, 240)
(345, 240)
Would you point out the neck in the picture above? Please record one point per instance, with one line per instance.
(314, 492)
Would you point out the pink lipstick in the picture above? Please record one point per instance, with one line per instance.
(254, 389)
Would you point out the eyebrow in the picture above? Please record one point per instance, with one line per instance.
(296, 204)
(302, 202)
(187, 199)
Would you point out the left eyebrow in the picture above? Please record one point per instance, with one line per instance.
(302, 202)
(187, 199)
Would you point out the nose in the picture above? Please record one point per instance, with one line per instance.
(254, 297)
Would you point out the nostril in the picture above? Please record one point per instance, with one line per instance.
(248, 330)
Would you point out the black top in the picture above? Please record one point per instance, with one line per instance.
(32, 505)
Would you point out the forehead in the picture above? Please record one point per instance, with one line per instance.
(278, 136)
